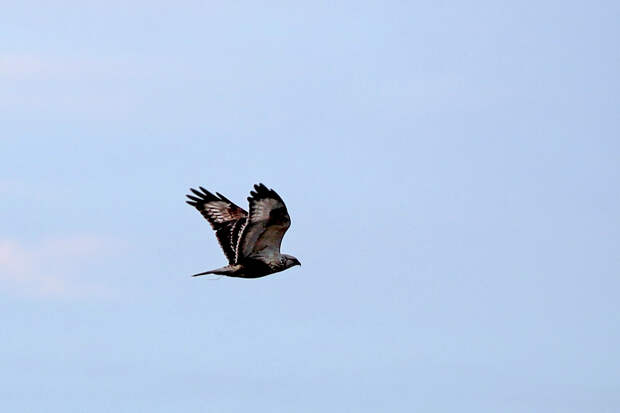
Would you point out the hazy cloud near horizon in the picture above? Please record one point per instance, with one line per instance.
(54, 267)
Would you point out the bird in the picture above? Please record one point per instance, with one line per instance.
(251, 242)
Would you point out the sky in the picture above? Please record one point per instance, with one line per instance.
(451, 170)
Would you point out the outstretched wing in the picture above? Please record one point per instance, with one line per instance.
(226, 218)
(267, 223)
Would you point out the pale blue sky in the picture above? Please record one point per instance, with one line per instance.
(451, 169)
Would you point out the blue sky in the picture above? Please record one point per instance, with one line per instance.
(451, 170)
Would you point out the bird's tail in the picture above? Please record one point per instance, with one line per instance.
(229, 270)
(204, 273)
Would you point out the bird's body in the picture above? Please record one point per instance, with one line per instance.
(251, 242)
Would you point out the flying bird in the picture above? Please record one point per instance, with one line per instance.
(251, 242)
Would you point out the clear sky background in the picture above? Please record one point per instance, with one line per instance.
(452, 170)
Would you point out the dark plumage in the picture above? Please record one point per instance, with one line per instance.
(251, 242)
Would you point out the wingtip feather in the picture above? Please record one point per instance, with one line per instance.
(223, 198)
(208, 194)
(197, 193)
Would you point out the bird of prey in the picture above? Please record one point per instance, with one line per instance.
(251, 242)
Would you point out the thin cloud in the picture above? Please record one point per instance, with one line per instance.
(24, 66)
(88, 87)
(51, 268)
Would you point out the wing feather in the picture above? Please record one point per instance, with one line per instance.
(267, 223)
(224, 216)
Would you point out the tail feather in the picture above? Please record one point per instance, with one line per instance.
(203, 273)
(229, 270)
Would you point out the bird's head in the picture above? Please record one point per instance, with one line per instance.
(290, 261)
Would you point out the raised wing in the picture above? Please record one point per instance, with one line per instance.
(226, 218)
(267, 223)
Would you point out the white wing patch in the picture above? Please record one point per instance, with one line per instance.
(219, 211)
(261, 209)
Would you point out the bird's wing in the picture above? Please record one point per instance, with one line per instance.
(226, 218)
(268, 221)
